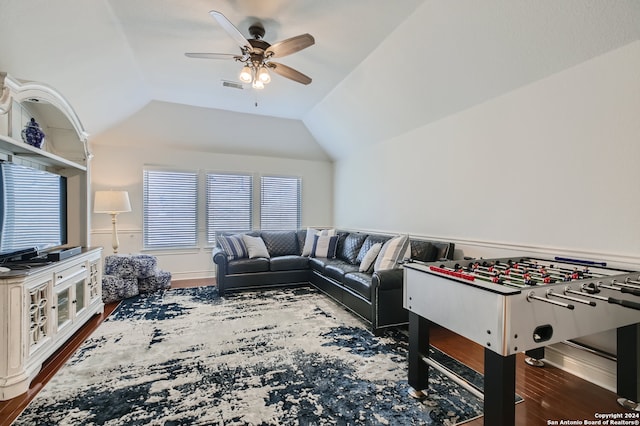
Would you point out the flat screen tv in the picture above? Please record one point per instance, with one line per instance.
(33, 209)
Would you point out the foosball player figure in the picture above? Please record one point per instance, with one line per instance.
(546, 278)
(495, 278)
(528, 280)
(575, 275)
(567, 277)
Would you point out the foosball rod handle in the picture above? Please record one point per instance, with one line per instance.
(630, 291)
(625, 303)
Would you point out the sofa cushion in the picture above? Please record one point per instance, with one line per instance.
(255, 246)
(351, 247)
(368, 260)
(371, 240)
(233, 245)
(423, 251)
(392, 253)
(338, 268)
(242, 266)
(318, 263)
(359, 282)
(289, 263)
(280, 243)
(324, 246)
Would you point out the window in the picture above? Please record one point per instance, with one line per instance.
(170, 209)
(229, 204)
(280, 202)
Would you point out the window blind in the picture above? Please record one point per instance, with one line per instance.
(280, 202)
(229, 204)
(170, 209)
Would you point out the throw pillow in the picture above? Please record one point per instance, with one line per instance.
(371, 240)
(392, 253)
(233, 245)
(370, 257)
(309, 239)
(255, 246)
(324, 246)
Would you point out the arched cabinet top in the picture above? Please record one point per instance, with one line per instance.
(66, 140)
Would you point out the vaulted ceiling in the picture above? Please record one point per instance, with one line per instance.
(379, 68)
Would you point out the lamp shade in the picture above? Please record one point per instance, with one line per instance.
(263, 75)
(112, 202)
(246, 75)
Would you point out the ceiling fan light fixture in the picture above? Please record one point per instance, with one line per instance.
(256, 54)
(257, 84)
(263, 75)
(246, 76)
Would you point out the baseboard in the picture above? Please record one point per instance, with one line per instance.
(584, 364)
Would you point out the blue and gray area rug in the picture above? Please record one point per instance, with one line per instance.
(277, 357)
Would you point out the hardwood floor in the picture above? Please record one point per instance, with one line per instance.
(12, 408)
(549, 393)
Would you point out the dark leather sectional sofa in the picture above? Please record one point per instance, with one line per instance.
(376, 297)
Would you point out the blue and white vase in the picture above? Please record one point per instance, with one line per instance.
(32, 134)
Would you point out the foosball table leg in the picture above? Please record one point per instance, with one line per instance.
(499, 389)
(418, 348)
(628, 366)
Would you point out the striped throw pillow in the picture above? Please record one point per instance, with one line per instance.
(233, 246)
(324, 246)
(392, 253)
(309, 239)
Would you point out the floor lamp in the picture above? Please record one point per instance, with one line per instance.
(112, 202)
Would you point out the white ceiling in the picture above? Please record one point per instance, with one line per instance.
(115, 58)
(126, 53)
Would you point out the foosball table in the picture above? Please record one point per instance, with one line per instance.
(519, 304)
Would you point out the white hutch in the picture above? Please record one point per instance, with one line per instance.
(43, 306)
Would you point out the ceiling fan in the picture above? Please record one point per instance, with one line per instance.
(257, 54)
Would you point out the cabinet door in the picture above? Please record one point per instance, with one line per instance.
(39, 308)
(80, 299)
(94, 285)
(63, 307)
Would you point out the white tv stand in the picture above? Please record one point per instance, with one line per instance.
(40, 309)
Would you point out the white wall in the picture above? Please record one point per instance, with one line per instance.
(551, 165)
(550, 169)
(119, 161)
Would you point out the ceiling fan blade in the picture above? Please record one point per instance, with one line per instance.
(289, 72)
(212, 55)
(290, 45)
(231, 30)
